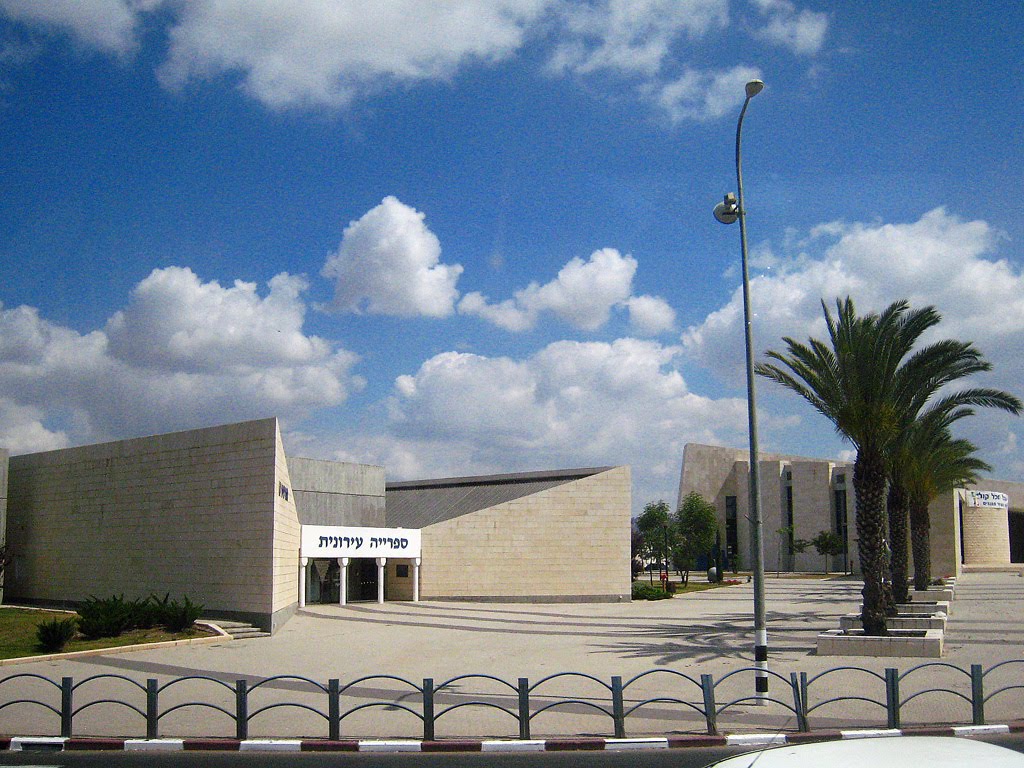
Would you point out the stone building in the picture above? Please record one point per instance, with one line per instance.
(980, 527)
(223, 516)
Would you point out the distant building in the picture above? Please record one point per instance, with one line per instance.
(223, 516)
(981, 526)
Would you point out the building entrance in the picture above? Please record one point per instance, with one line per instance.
(323, 584)
(362, 580)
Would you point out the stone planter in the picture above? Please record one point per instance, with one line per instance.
(931, 595)
(923, 643)
(922, 607)
(921, 620)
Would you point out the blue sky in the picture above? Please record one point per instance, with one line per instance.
(475, 236)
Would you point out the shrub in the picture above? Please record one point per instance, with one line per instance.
(177, 617)
(108, 617)
(53, 635)
(670, 587)
(642, 591)
(113, 616)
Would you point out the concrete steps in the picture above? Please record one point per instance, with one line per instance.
(239, 630)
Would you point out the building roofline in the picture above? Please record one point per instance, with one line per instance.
(504, 479)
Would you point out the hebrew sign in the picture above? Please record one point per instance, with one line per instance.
(988, 499)
(349, 541)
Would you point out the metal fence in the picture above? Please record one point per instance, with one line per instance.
(522, 701)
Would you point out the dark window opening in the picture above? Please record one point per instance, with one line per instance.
(732, 540)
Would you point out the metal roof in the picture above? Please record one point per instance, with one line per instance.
(419, 503)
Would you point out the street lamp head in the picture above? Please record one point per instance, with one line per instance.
(754, 87)
(728, 210)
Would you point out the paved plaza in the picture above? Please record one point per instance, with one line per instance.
(702, 633)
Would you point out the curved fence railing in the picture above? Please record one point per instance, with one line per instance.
(802, 698)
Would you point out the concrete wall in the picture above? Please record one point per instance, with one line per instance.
(336, 493)
(567, 543)
(287, 540)
(193, 513)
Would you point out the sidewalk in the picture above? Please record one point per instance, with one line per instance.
(703, 633)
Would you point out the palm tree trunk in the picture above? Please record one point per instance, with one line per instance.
(920, 527)
(869, 492)
(897, 506)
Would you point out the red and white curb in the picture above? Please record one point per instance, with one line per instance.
(59, 744)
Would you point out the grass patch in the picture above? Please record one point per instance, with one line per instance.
(693, 586)
(700, 586)
(18, 634)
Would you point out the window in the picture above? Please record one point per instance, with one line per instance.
(732, 542)
(841, 520)
(791, 535)
(282, 491)
(402, 571)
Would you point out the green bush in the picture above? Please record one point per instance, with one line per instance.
(112, 616)
(108, 617)
(177, 617)
(53, 635)
(643, 591)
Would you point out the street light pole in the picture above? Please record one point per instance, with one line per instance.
(727, 212)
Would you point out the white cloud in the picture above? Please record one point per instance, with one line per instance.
(570, 404)
(938, 260)
(158, 369)
(583, 294)
(175, 321)
(650, 315)
(110, 25)
(324, 53)
(389, 263)
(703, 95)
(631, 36)
(801, 31)
(22, 430)
(300, 52)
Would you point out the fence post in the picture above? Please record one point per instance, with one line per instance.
(618, 710)
(524, 708)
(333, 709)
(707, 684)
(804, 698)
(892, 696)
(152, 708)
(977, 695)
(799, 704)
(428, 709)
(67, 707)
(241, 710)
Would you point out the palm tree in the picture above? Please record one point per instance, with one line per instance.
(938, 464)
(870, 386)
(909, 457)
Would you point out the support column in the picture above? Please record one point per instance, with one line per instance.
(343, 581)
(381, 562)
(303, 564)
(416, 580)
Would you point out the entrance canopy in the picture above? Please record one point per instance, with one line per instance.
(348, 541)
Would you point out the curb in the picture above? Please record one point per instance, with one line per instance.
(82, 744)
(219, 635)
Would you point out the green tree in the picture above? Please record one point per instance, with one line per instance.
(938, 464)
(871, 384)
(828, 544)
(790, 544)
(697, 525)
(654, 525)
(909, 455)
(637, 547)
